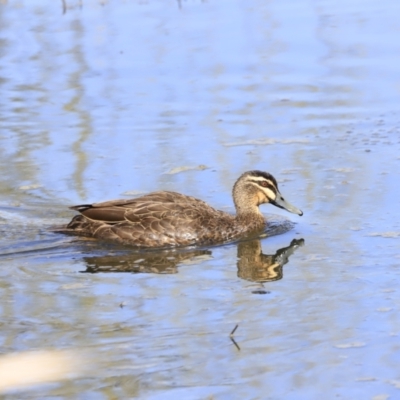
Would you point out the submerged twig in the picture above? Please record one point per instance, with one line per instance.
(234, 330)
(231, 336)
(236, 345)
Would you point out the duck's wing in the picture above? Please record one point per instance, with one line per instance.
(157, 219)
(157, 205)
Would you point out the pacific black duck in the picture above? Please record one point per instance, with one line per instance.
(168, 219)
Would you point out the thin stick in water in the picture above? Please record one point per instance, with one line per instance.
(234, 330)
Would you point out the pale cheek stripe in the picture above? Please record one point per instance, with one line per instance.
(270, 194)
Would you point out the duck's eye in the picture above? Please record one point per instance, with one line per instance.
(264, 184)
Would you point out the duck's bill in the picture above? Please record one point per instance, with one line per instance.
(282, 203)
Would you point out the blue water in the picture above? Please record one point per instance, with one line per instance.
(103, 100)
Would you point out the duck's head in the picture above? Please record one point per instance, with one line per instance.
(256, 187)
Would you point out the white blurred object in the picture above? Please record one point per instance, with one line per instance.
(20, 370)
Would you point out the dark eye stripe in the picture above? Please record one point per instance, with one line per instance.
(269, 185)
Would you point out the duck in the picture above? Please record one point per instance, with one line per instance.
(166, 219)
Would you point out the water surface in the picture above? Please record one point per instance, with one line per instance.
(102, 100)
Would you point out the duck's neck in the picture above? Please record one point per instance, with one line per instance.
(250, 216)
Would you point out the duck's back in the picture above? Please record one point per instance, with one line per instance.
(157, 219)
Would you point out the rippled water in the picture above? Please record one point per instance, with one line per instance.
(111, 99)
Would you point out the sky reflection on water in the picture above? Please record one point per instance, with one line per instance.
(108, 98)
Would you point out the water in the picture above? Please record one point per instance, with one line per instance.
(102, 100)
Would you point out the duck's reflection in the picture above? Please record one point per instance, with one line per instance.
(252, 264)
(165, 262)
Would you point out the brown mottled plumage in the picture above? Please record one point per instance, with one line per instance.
(167, 219)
